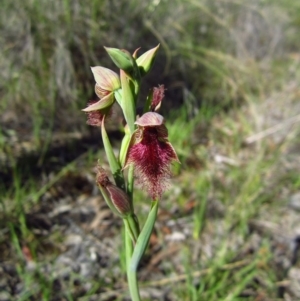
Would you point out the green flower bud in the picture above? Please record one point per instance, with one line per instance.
(146, 60)
(122, 58)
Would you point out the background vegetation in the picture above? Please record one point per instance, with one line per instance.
(228, 229)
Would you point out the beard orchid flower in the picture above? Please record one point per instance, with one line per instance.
(151, 154)
(107, 81)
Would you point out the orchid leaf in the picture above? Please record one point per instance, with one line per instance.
(143, 239)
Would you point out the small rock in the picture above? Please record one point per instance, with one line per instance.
(4, 296)
(294, 202)
(294, 278)
(10, 269)
(19, 288)
(61, 209)
(176, 236)
(64, 266)
(73, 239)
(82, 214)
(88, 270)
(3, 283)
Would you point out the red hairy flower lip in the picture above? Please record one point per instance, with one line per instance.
(152, 155)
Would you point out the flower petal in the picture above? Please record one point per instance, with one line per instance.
(106, 79)
(103, 103)
(150, 119)
(100, 92)
(94, 118)
(162, 132)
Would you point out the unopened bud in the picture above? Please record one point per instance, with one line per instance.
(122, 58)
(146, 60)
(120, 199)
(115, 197)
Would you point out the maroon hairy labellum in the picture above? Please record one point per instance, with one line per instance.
(151, 154)
(94, 118)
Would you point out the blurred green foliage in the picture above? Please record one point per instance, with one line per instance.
(208, 49)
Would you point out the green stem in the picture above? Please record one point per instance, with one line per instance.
(114, 164)
(130, 181)
(131, 274)
(128, 101)
(133, 224)
(118, 95)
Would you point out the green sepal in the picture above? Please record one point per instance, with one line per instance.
(122, 58)
(146, 60)
(143, 239)
(103, 103)
(114, 165)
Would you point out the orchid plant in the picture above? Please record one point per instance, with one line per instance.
(145, 154)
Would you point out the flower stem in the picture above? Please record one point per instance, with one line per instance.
(130, 181)
(114, 164)
(131, 274)
(134, 227)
